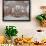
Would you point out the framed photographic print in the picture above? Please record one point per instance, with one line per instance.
(16, 10)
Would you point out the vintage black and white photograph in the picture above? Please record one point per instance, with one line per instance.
(16, 10)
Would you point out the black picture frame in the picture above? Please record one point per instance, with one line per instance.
(18, 20)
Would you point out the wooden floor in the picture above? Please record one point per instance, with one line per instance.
(31, 45)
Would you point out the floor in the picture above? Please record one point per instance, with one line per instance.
(31, 45)
(16, 18)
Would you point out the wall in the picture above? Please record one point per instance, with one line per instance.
(25, 28)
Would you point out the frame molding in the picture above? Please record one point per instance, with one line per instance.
(17, 20)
